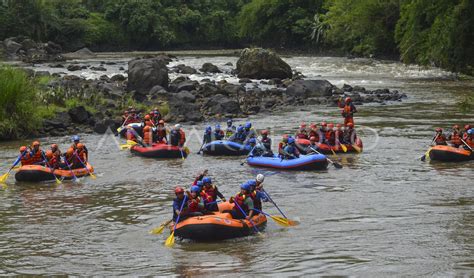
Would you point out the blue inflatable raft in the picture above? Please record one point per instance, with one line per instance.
(224, 147)
(304, 162)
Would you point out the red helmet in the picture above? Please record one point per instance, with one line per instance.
(49, 154)
(312, 139)
(348, 99)
(324, 124)
(438, 129)
(467, 127)
(23, 148)
(35, 143)
(264, 132)
(351, 125)
(330, 126)
(147, 117)
(303, 125)
(313, 126)
(178, 190)
(54, 146)
(455, 127)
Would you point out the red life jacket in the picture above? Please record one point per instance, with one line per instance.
(330, 137)
(455, 138)
(206, 197)
(440, 140)
(240, 200)
(281, 146)
(302, 135)
(182, 138)
(193, 204)
(348, 111)
(211, 192)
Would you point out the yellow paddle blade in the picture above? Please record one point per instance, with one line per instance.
(357, 148)
(58, 181)
(170, 240)
(186, 149)
(427, 154)
(131, 143)
(4, 177)
(92, 176)
(280, 221)
(157, 230)
(123, 147)
(344, 148)
(119, 129)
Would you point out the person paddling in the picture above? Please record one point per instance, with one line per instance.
(212, 192)
(440, 138)
(455, 137)
(178, 203)
(244, 201)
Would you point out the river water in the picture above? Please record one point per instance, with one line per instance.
(384, 214)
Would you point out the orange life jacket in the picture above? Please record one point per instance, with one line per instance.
(455, 138)
(330, 137)
(148, 137)
(26, 159)
(37, 156)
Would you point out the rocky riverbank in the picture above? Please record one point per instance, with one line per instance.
(266, 83)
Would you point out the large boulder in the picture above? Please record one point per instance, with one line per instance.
(144, 74)
(181, 111)
(220, 104)
(11, 47)
(83, 53)
(258, 63)
(79, 115)
(208, 67)
(310, 88)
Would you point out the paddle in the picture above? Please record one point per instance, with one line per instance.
(128, 145)
(123, 124)
(427, 154)
(4, 177)
(359, 150)
(170, 240)
(250, 220)
(291, 222)
(50, 168)
(278, 219)
(249, 155)
(464, 142)
(159, 230)
(70, 169)
(200, 149)
(344, 148)
(182, 154)
(336, 164)
(85, 166)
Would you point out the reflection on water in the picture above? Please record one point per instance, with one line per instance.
(384, 214)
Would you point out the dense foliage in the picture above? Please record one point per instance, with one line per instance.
(420, 31)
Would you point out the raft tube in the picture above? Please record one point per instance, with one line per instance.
(137, 126)
(217, 226)
(450, 154)
(302, 144)
(160, 150)
(304, 162)
(225, 147)
(38, 173)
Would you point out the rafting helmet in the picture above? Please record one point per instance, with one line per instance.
(199, 183)
(252, 183)
(248, 125)
(208, 129)
(260, 178)
(240, 128)
(264, 132)
(291, 140)
(218, 127)
(54, 146)
(76, 138)
(147, 117)
(303, 125)
(178, 190)
(206, 180)
(177, 126)
(324, 124)
(252, 141)
(313, 126)
(195, 188)
(348, 99)
(161, 122)
(23, 148)
(35, 143)
(330, 126)
(229, 122)
(470, 131)
(467, 127)
(439, 129)
(245, 186)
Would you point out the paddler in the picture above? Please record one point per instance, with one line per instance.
(178, 202)
(440, 138)
(244, 201)
(455, 137)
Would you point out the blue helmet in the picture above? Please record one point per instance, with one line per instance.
(470, 131)
(245, 186)
(240, 128)
(252, 141)
(195, 188)
(218, 127)
(208, 128)
(206, 180)
(199, 183)
(252, 183)
(76, 138)
(291, 140)
(248, 125)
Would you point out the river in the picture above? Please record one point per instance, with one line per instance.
(385, 213)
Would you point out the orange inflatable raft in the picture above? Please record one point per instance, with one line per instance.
(218, 225)
(38, 173)
(450, 154)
